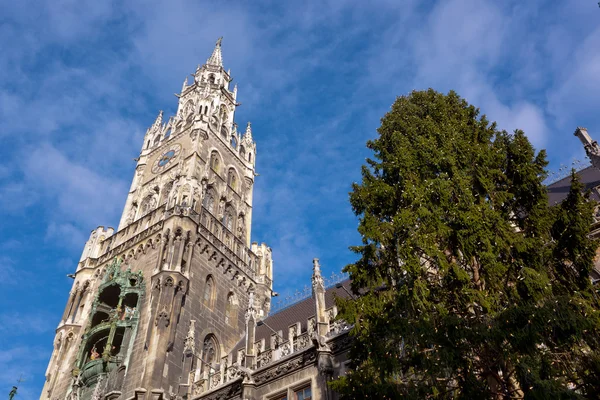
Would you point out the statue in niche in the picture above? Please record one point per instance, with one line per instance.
(221, 208)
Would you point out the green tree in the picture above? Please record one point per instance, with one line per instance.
(469, 285)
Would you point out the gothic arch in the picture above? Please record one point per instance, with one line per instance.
(231, 309)
(209, 292)
(188, 110)
(215, 161)
(232, 178)
(164, 194)
(228, 217)
(157, 140)
(209, 200)
(224, 130)
(210, 350)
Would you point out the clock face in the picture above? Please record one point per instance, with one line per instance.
(166, 159)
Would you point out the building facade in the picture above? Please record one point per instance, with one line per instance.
(175, 303)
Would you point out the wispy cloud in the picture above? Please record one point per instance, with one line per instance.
(81, 81)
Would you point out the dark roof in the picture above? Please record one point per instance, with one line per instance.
(299, 312)
(589, 176)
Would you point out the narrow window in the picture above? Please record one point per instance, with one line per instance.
(209, 202)
(231, 309)
(214, 161)
(209, 291)
(232, 179)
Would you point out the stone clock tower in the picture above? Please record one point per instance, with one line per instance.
(161, 301)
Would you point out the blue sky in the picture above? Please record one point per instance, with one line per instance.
(80, 81)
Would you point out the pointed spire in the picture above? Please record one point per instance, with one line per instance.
(216, 58)
(248, 134)
(157, 123)
(185, 85)
(317, 279)
(235, 91)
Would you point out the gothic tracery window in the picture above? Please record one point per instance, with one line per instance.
(210, 351)
(209, 202)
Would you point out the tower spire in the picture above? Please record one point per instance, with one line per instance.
(159, 120)
(248, 134)
(216, 58)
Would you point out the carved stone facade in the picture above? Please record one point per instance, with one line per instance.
(146, 315)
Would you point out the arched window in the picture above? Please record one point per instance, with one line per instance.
(210, 351)
(224, 131)
(232, 178)
(233, 142)
(249, 157)
(231, 309)
(242, 152)
(215, 161)
(188, 110)
(164, 193)
(209, 292)
(209, 202)
(211, 79)
(228, 218)
(157, 140)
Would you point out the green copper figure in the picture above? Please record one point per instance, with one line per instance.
(12, 393)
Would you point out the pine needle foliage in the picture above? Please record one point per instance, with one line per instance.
(469, 285)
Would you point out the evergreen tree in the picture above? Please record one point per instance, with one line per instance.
(469, 285)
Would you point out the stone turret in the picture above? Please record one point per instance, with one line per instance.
(591, 146)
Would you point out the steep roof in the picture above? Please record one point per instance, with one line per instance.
(590, 177)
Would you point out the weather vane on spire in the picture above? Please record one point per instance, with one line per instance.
(13, 392)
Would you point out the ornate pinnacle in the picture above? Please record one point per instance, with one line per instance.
(158, 122)
(216, 58)
(190, 345)
(185, 84)
(250, 311)
(248, 134)
(317, 279)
